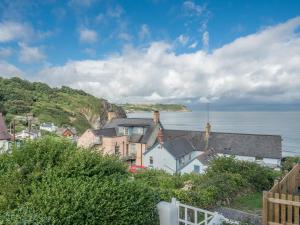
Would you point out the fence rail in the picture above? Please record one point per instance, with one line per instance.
(282, 203)
(189, 215)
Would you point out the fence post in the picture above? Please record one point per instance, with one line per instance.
(265, 208)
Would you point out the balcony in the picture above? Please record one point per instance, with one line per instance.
(131, 156)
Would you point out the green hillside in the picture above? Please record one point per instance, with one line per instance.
(152, 107)
(62, 106)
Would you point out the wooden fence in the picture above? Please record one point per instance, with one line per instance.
(281, 204)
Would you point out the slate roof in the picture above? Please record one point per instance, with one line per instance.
(4, 135)
(107, 132)
(110, 129)
(256, 145)
(182, 142)
(178, 147)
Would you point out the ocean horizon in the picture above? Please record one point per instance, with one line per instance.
(283, 123)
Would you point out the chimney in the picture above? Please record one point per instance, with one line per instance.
(160, 136)
(156, 117)
(111, 115)
(207, 135)
(207, 131)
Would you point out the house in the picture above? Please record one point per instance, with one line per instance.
(4, 136)
(26, 134)
(67, 132)
(180, 151)
(127, 137)
(50, 127)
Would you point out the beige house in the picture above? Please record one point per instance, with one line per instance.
(127, 137)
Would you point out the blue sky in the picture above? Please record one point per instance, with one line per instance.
(155, 50)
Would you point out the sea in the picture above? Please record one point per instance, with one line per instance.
(286, 124)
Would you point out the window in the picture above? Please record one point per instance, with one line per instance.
(196, 169)
(151, 160)
(132, 149)
(126, 131)
(117, 149)
(181, 161)
(190, 156)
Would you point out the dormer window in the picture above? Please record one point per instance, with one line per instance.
(126, 131)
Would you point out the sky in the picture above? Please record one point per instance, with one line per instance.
(233, 54)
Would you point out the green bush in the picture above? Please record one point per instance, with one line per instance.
(50, 181)
(289, 162)
(258, 177)
(225, 180)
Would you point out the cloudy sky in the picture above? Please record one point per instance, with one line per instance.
(231, 53)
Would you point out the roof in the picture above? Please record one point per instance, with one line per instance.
(133, 122)
(62, 130)
(206, 156)
(182, 142)
(178, 146)
(4, 135)
(142, 122)
(107, 132)
(255, 145)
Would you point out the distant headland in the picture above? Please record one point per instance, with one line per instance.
(147, 107)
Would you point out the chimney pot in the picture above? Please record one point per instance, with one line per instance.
(160, 136)
(156, 117)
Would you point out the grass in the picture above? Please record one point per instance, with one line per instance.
(251, 202)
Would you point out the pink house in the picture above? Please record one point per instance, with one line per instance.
(127, 137)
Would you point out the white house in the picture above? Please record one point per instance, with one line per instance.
(180, 151)
(175, 153)
(50, 127)
(25, 134)
(4, 136)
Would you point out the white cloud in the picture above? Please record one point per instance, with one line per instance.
(144, 32)
(5, 52)
(205, 40)
(261, 67)
(183, 39)
(11, 31)
(193, 45)
(88, 35)
(8, 70)
(30, 54)
(193, 8)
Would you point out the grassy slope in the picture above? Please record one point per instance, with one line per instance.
(152, 107)
(64, 106)
(251, 202)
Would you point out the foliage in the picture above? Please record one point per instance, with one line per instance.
(258, 177)
(289, 162)
(62, 106)
(225, 180)
(50, 181)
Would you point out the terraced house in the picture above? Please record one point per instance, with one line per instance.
(127, 137)
(184, 151)
(145, 142)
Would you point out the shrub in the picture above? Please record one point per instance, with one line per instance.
(258, 177)
(50, 181)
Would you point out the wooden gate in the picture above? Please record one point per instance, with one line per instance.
(281, 204)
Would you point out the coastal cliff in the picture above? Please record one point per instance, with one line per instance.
(63, 106)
